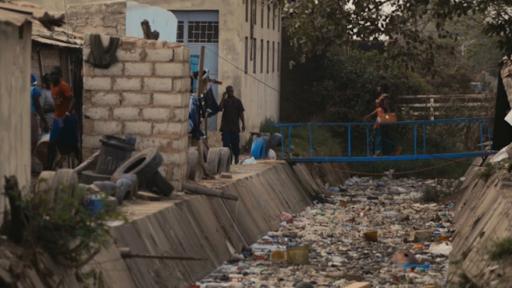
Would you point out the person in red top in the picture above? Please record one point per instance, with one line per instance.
(63, 134)
(62, 98)
(382, 107)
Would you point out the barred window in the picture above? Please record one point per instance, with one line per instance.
(246, 62)
(268, 15)
(255, 49)
(278, 56)
(268, 57)
(262, 47)
(246, 10)
(181, 32)
(203, 32)
(273, 56)
(262, 12)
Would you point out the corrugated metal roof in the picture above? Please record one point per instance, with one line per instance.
(57, 36)
(54, 42)
(18, 13)
(13, 18)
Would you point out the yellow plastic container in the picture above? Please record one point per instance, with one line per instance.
(278, 256)
(298, 255)
(371, 236)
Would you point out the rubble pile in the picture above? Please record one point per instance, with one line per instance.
(369, 233)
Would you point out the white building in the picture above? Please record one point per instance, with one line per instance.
(242, 40)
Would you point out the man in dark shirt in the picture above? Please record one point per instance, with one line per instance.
(233, 113)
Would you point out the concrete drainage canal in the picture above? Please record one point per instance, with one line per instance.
(366, 233)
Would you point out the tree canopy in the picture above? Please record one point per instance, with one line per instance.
(348, 48)
(412, 26)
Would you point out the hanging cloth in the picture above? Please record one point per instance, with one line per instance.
(212, 107)
(502, 130)
(101, 57)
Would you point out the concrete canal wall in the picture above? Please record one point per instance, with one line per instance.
(483, 218)
(204, 227)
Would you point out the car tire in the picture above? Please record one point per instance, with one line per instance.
(213, 161)
(88, 177)
(160, 185)
(143, 164)
(226, 158)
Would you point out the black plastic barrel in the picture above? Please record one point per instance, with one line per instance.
(114, 152)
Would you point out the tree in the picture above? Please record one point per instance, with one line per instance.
(338, 76)
(317, 26)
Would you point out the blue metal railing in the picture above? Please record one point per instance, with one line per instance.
(287, 129)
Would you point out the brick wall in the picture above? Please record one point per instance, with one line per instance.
(98, 17)
(145, 95)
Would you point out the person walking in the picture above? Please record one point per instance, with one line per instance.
(381, 136)
(232, 114)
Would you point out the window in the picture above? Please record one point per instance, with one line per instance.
(203, 32)
(180, 34)
(262, 11)
(268, 15)
(278, 56)
(273, 17)
(273, 56)
(246, 56)
(262, 48)
(246, 10)
(251, 50)
(279, 16)
(268, 57)
(254, 41)
(254, 4)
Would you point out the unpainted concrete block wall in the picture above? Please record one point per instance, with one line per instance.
(145, 94)
(107, 17)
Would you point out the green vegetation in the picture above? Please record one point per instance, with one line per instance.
(415, 47)
(413, 29)
(501, 250)
(487, 172)
(466, 282)
(62, 224)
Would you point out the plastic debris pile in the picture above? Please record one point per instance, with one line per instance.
(370, 233)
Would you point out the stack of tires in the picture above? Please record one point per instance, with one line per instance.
(145, 165)
(114, 151)
(115, 160)
(218, 160)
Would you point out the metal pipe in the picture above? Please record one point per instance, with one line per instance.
(368, 141)
(415, 137)
(424, 139)
(349, 132)
(310, 139)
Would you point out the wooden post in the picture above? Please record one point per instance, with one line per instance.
(194, 188)
(40, 62)
(200, 86)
